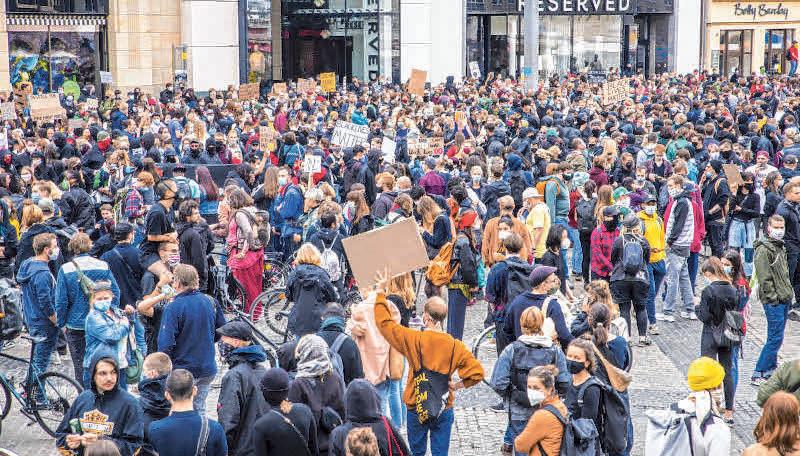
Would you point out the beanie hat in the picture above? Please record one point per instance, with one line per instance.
(540, 274)
(716, 165)
(275, 386)
(705, 374)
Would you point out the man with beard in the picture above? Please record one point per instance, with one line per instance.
(196, 155)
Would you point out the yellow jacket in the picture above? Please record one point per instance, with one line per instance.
(654, 233)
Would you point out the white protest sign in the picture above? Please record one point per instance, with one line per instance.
(8, 111)
(348, 134)
(474, 70)
(388, 147)
(312, 164)
(615, 91)
(3, 140)
(106, 77)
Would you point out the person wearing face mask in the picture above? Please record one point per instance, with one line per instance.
(491, 242)
(774, 291)
(545, 429)
(585, 393)
(544, 284)
(629, 281)
(38, 300)
(716, 196)
(745, 211)
(240, 400)
(509, 377)
(679, 235)
(653, 231)
(155, 292)
(557, 241)
(602, 241)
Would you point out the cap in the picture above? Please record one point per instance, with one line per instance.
(237, 330)
(122, 230)
(650, 198)
(631, 221)
(705, 374)
(762, 153)
(101, 285)
(610, 211)
(540, 274)
(46, 205)
(531, 192)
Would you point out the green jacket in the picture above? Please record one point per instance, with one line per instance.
(772, 272)
(786, 378)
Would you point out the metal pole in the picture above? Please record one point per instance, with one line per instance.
(531, 20)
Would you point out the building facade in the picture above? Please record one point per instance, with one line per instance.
(749, 37)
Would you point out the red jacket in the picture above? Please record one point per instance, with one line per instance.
(793, 53)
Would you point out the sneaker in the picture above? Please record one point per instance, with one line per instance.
(692, 316)
(645, 341)
(685, 315)
(668, 318)
(659, 316)
(653, 330)
(794, 315)
(758, 381)
(499, 407)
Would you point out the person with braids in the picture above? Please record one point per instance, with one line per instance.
(543, 433)
(465, 279)
(584, 397)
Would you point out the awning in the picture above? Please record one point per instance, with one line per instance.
(55, 23)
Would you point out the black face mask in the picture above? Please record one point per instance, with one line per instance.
(575, 367)
(611, 225)
(225, 349)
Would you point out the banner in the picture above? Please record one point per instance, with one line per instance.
(615, 91)
(248, 91)
(306, 85)
(348, 134)
(327, 81)
(46, 107)
(416, 84)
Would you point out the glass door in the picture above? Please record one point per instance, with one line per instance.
(736, 51)
(776, 42)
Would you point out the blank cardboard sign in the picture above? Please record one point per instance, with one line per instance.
(397, 247)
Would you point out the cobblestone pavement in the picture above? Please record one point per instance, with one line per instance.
(659, 380)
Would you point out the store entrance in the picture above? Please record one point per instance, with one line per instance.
(776, 42)
(314, 55)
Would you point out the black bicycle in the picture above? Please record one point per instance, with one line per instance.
(45, 400)
(269, 346)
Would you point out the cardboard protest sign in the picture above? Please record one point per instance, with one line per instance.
(305, 85)
(733, 175)
(92, 104)
(8, 111)
(21, 92)
(397, 247)
(248, 91)
(416, 84)
(348, 134)
(615, 91)
(46, 107)
(266, 135)
(72, 124)
(106, 77)
(279, 88)
(388, 147)
(312, 164)
(327, 82)
(436, 143)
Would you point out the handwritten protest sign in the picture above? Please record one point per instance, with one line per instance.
(436, 143)
(474, 70)
(92, 104)
(266, 135)
(388, 147)
(348, 134)
(7, 111)
(400, 247)
(416, 84)
(106, 77)
(46, 107)
(312, 164)
(279, 88)
(248, 91)
(306, 85)
(72, 124)
(327, 81)
(615, 91)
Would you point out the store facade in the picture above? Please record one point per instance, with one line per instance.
(745, 38)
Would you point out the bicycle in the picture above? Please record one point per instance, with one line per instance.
(276, 272)
(484, 349)
(45, 401)
(228, 291)
(260, 338)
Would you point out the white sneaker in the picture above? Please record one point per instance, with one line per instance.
(685, 315)
(692, 316)
(669, 318)
(660, 316)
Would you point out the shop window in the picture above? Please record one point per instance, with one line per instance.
(776, 43)
(51, 60)
(259, 40)
(57, 6)
(736, 52)
(593, 44)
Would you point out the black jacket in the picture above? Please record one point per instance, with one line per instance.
(240, 400)
(154, 407)
(717, 298)
(750, 205)
(196, 242)
(715, 193)
(77, 208)
(791, 215)
(617, 253)
(273, 436)
(8, 240)
(317, 394)
(466, 257)
(491, 193)
(351, 357)
(771, 204)
(309, 287)
(383, 205)
(362, 408)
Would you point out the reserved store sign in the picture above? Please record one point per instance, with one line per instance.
(570, 7)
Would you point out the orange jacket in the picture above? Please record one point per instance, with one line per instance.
(543, 427)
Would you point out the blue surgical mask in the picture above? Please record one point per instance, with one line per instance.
(102, 305)
(282, 181)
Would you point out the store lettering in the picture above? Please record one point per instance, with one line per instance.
(372, 44)
(582, 6)
(762, 10)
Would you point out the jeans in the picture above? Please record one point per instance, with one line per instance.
(577, 251)
(565, 223)
(203, 384)
(76, 341)
(776, 324)
(456, 313)
(678, 285)
(735, 350)
(391, 402)
(514, 428)
(439, 431)
(656, 271)
(742, 235)
(792, 67)
(41, 351)
(694, 260)
(631, 293)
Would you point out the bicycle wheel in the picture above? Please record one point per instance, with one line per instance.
(256, 316)
(275, 274)
(276, 312)
(485, 351)
(236, 295)
(60, 392)
(5, 397)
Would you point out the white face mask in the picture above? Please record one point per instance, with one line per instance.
(535, 397)
(503, 235)
(649, 210)
(674, 192)
(54, 253)
(777, 233)
(565, 243)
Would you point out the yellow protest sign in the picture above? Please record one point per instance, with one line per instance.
(328, 82)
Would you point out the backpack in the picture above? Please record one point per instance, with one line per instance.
(184, 190)
(579, 437)
(259, 227)
(541, 186)
(336, 358)
(518, 280)
(330, 260)
(614, 428)
(632, 256)
(525, 358)
(350, 177)
(730, 332)
(669, 432)
(726, 207)
(440, 270)
(431, 389)
(584, 212)
(290, 154)
(10, 310)
(64, 235)
(517, 183)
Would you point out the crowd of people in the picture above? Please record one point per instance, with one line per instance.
(581, 226)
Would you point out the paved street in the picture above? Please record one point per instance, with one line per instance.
(659, 380)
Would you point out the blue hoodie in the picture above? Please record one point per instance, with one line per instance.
(116, 414)
(514, 163)
(38, 292)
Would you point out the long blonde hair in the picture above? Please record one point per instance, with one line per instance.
(403, 286)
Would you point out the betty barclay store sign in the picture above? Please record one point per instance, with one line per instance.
(766, 11)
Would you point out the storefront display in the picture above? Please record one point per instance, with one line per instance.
(259, 40)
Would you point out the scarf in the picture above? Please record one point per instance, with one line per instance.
(312, 357)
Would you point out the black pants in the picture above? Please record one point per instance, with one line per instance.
(586, 248)
(632, 293)
(715, 232)
(76, 341)
(725, 357)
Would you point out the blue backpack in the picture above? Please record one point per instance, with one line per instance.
(579, 438)
(291, 154)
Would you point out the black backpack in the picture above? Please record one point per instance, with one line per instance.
(614, 414)
(584, 212)
(525, 358)
(517, 183)
(518, 280)
(579, 437)
(350, 177)
(632, 255)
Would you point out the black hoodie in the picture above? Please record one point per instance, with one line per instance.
(8, 241)
(196, 242)
(154, 405)
(362, 409)
(115, 414)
